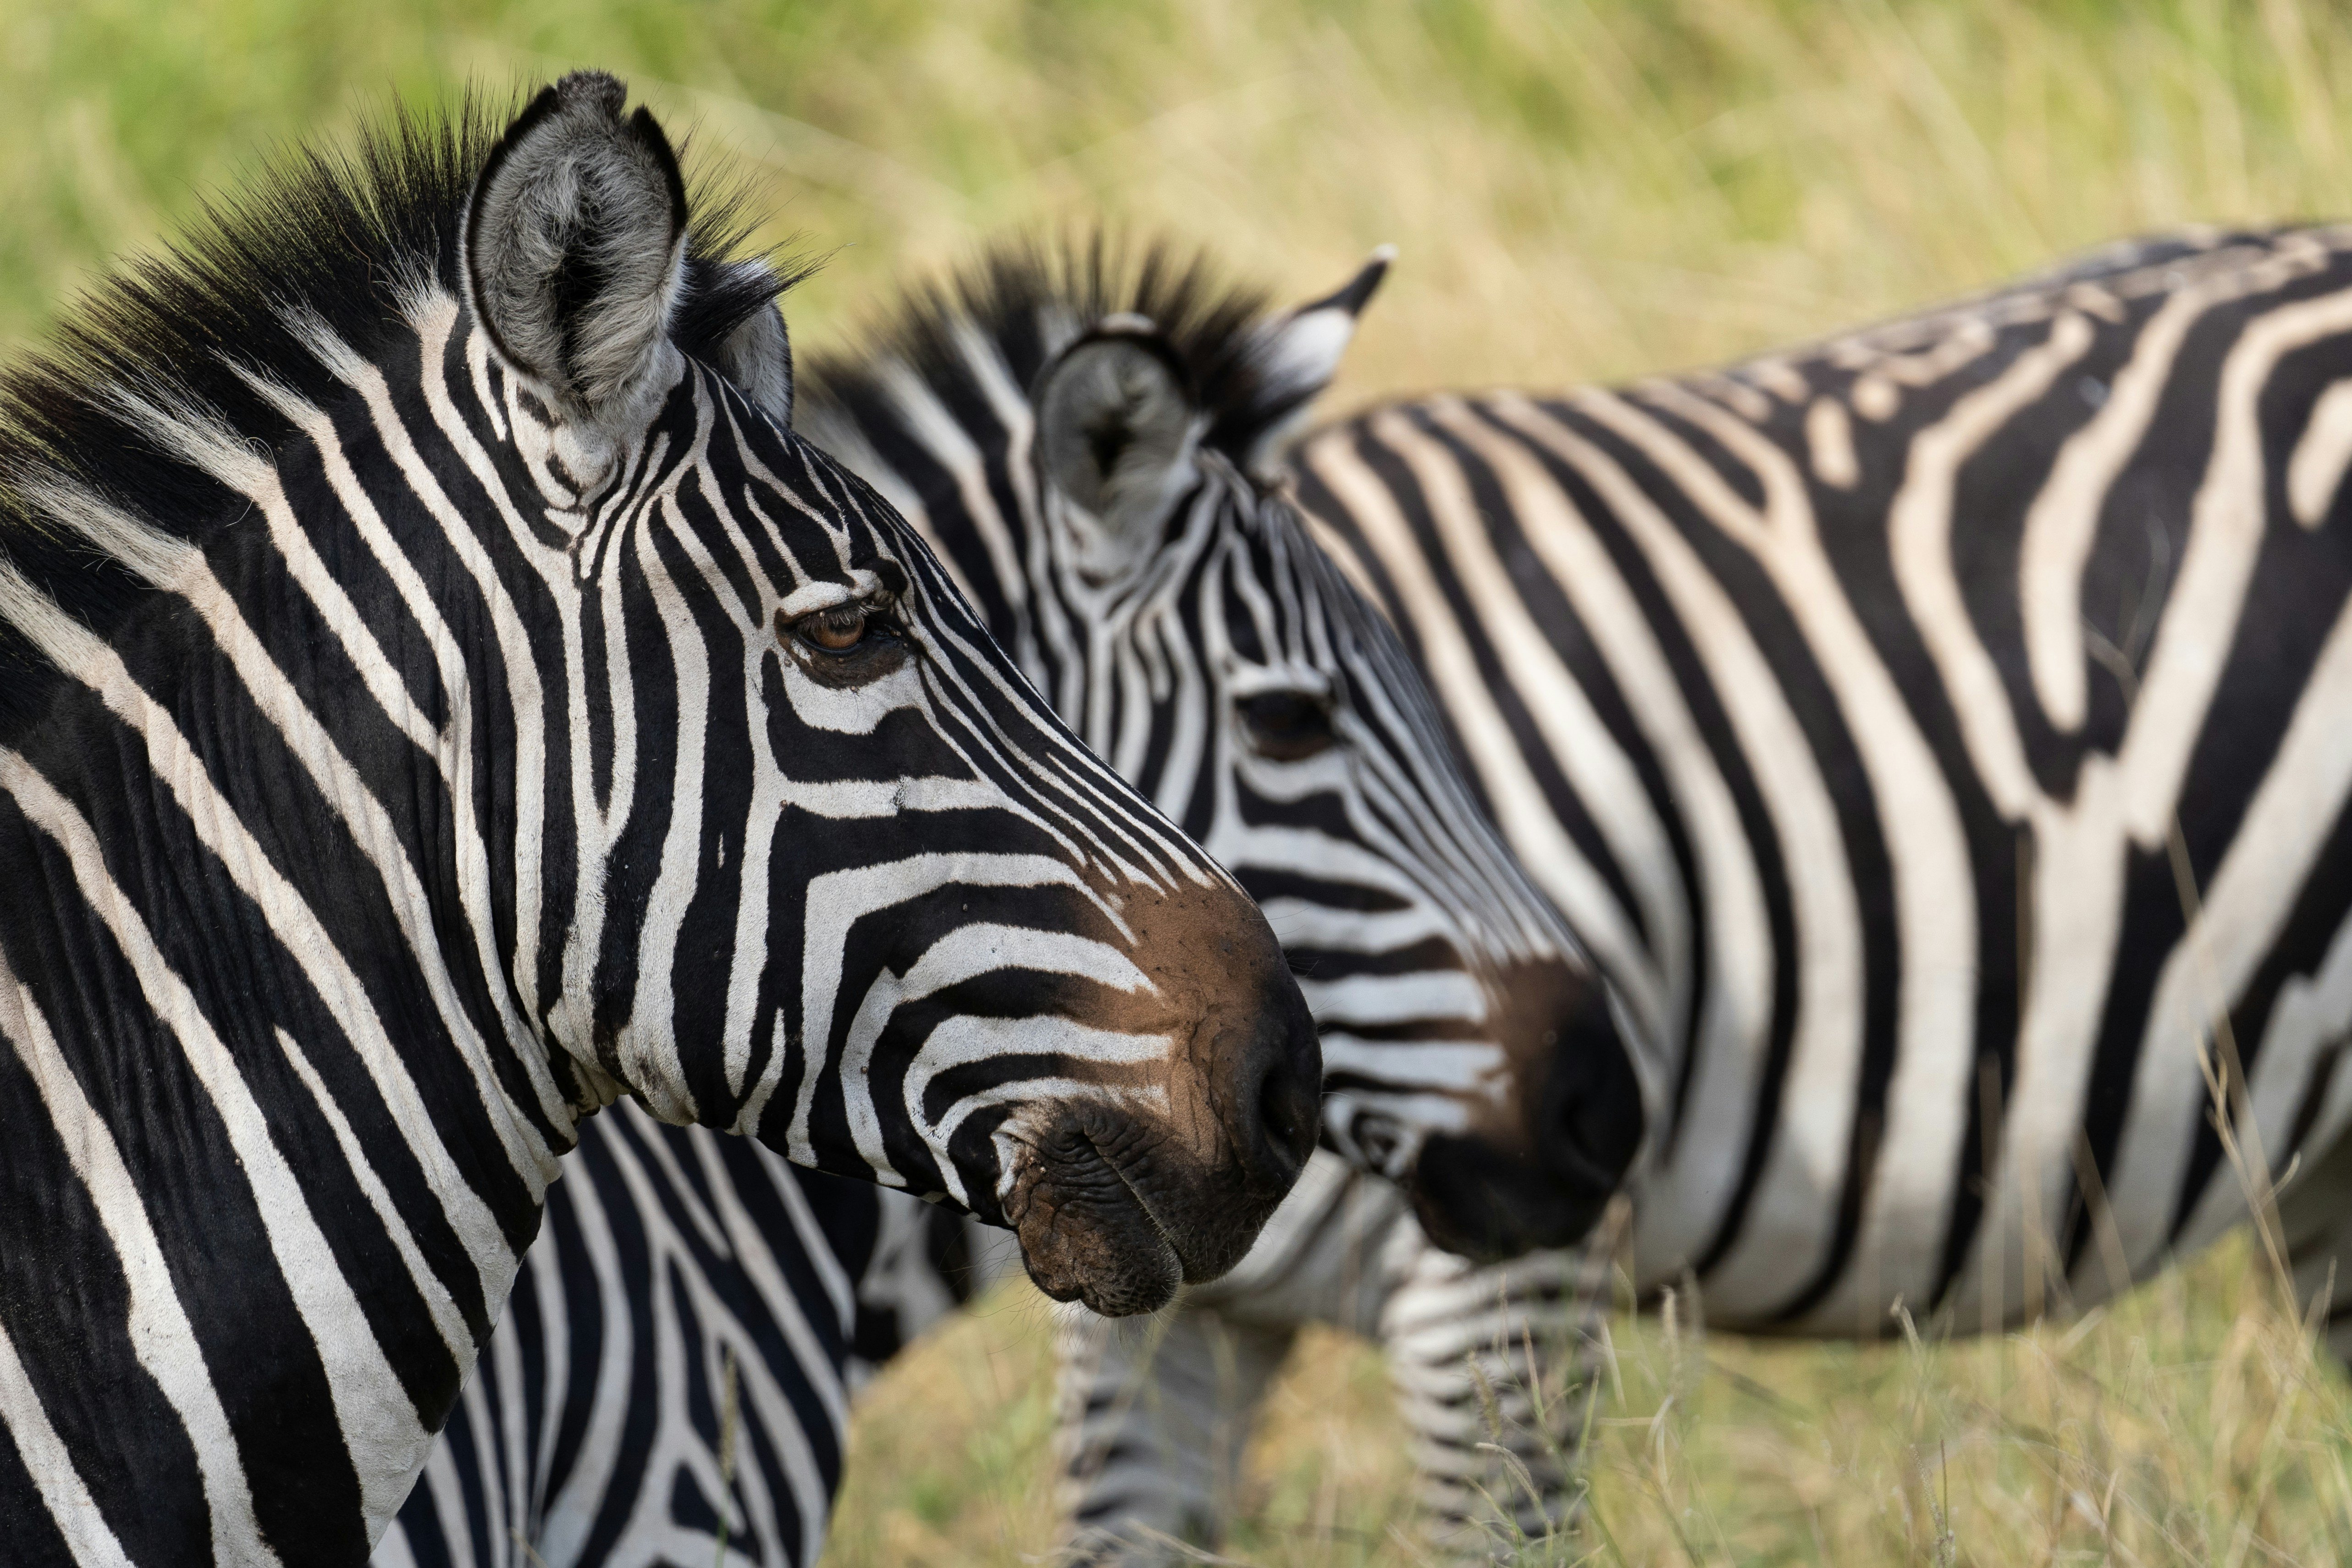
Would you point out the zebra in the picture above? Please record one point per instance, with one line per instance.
(672, 1379)
(1445, 905)
(1930, 731)
(1088, 436)
(423, 674)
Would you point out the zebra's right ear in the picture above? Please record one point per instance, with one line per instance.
(1298, 354)
(574, 247)
(757, 357)
(1118, 427)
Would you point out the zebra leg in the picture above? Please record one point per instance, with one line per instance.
(1490, 1366)
(1155, 1411)
(2316, 1221)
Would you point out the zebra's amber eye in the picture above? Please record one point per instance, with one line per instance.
(836, 630)
(1288, 726)
(840, 628)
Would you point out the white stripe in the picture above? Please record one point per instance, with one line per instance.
(1919, 541)
(2062, 525)
(648, 1049)
(2321, 455)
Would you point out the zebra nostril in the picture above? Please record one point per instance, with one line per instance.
(1287, 1103)
(1591, 1121)
(1276, 1108)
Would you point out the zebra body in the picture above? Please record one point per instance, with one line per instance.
(1939, 729)
(437, 698)
(2061, 572)
(671, 1381)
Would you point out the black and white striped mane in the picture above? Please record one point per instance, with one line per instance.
(344, 240)
(1029, 296)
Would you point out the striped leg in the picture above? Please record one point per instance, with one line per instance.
(1484, 1359)
(2315, 1215)
(1157, 1412)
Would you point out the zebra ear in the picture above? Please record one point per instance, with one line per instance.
(1117, 428)
(1298, 353)
(757, 357)
(574, 244)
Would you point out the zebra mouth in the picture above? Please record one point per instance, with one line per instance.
(1142, 1204)
(1088, 1233)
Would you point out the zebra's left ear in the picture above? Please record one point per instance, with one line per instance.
(574, 247)
(1297, 355)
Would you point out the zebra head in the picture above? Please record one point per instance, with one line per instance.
(874, 904)
(707, 785)
(1083, 439)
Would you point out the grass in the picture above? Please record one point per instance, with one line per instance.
(2190, 1424)
(1580, 189)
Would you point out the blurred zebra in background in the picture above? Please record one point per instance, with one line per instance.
(1937, 732)
(1087, 434)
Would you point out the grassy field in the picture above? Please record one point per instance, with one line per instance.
(2189, 1424)
(1578, 191)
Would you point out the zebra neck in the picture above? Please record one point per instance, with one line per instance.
(277, 1137)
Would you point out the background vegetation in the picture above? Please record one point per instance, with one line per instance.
(1580, 189)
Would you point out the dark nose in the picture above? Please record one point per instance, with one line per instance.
(1491, 1198)
(1277, 1113)
(1588, 1125)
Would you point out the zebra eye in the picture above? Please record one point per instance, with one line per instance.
(841, 628)
(1288, 726)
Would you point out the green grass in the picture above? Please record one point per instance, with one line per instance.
(1578, 191)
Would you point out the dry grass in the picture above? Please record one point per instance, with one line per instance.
(2191, 1424)
(1580, 189)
